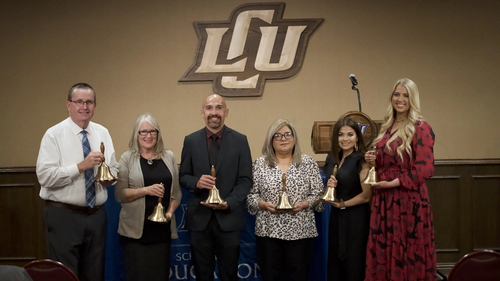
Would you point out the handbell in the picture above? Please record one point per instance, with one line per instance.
(284, 202)
(371, 177)
(213, 195)
(158, 214)
(330, 191)
(103, 173)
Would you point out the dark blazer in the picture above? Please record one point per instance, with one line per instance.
(233, 178)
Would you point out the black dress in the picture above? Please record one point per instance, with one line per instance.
(348, 228)
(148, 258)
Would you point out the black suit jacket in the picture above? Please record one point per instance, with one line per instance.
(233, 178)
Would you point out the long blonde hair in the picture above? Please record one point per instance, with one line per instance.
(407, 127)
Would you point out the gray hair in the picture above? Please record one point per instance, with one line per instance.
(268, 149)
(134, 141)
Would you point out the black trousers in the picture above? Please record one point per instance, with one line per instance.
(212, 242)
(284, 260)
(78, 240)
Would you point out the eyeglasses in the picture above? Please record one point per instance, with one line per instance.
(145, 133)
(80, 103)
(287, 136)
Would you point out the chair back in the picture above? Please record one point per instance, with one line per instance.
(481, 265)
(46, 269)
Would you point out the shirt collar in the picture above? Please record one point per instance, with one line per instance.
(219, 133)
(77, 129)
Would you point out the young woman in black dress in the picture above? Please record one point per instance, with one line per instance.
(350, 212)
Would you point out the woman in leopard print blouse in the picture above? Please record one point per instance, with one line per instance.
(284, 239)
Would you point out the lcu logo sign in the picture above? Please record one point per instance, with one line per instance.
(254, 45)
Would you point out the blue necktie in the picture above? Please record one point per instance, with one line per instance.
(89, 174)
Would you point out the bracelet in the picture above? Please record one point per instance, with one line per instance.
(342, 204)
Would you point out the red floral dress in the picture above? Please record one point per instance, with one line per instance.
(401, 240)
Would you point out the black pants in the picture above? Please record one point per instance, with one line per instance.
(211, 242)
(78, 240)
(284, 260)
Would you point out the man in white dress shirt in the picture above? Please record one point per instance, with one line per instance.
(68, 159)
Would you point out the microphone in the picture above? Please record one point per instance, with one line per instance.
(354, 83)
(353, 80)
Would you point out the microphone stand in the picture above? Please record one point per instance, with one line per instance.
(359, 100)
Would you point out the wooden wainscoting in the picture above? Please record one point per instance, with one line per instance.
(22, 235)
(465, 198)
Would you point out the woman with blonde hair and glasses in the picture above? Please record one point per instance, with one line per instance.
(284, 239)
(401, 239)
(147, 171)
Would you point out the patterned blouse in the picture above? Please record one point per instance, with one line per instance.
(302, 183)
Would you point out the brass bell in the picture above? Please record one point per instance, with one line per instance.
(371, 177)
(213, 195)
(284, 202)
(103, 173)
(329, 194)
(158, 214)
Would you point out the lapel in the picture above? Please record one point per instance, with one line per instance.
(224, 147)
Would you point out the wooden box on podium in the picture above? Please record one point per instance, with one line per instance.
(322, 130)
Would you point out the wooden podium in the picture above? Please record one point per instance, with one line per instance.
(322, 131)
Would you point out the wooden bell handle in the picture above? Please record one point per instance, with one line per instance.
(283, 179)
(335, 169)
(159, 198)
(212, 171)
(374, 149)
(102, 150)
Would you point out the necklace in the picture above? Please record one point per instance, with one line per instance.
(150, 160)
(399, 121)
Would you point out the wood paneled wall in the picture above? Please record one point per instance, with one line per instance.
(22, 224)
(465, 198)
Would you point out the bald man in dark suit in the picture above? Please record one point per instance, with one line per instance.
(214, 229)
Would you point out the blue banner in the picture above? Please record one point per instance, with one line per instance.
(181, 267)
